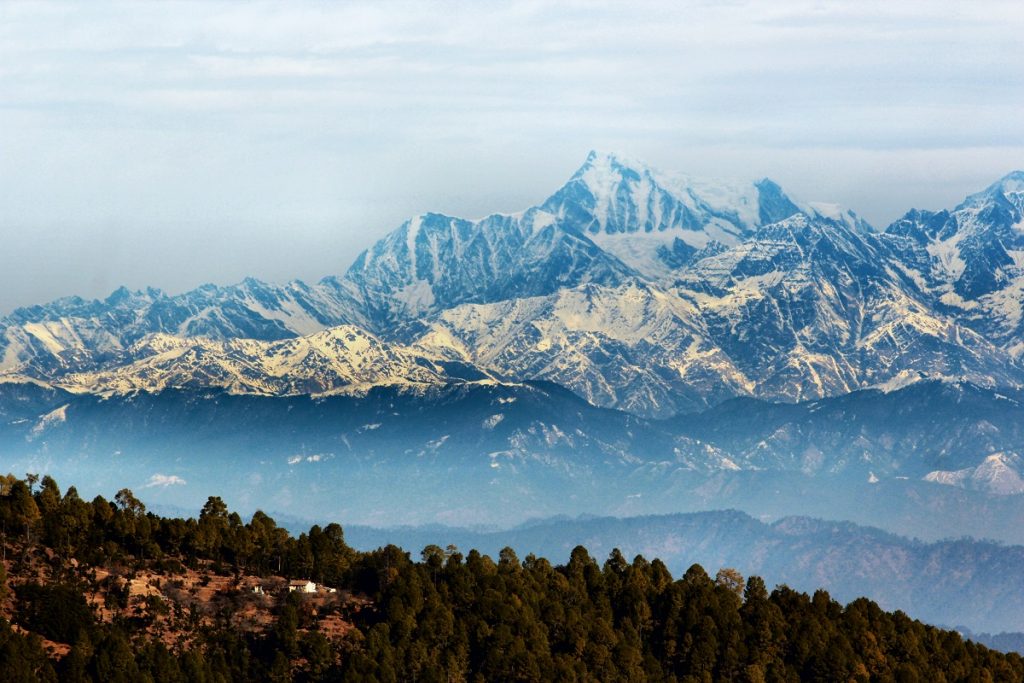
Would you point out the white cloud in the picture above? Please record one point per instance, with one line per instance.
(164, 480)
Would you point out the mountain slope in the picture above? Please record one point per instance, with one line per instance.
(808, 307)
(434, 262)
(911, 432)
(461, 451)
(631, 347)
(972, 259)
(486, 452)
(74, 334)
(656, 221)
(340, 358)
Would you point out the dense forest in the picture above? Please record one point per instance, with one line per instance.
(106, 591)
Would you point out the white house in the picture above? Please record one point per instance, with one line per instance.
(303, 586)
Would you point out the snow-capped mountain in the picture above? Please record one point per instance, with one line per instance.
(656, 221)
(631, 346)
(612, 220)
(433, 262)
(1000, 474)
(804, 308)
(637, 289)
(808, 307)
(972, 259)
(74, 334)
(343, 358)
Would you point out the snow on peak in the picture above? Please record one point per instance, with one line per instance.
(1010, 188)
(840, 214)
(621, 188)
(611, 162)
(1011, 183)
(326, 361)
(906, 378)
(653, 220)
(999, 474)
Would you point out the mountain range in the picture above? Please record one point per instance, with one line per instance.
(641, 325)
(934, 459)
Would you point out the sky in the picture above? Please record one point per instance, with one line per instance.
(173, 144)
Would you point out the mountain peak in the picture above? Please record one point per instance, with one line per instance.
(1010, 184)
(120, 294)
(654, 221)
(610, 166)
(1009, 188)
(612, 193)
(604, 157)
(773, 204)
(1015, 177)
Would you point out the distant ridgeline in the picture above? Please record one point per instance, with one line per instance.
(106, 591)
(607, 350)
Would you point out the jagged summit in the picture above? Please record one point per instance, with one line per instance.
(972, 258)
(1011, 182)
(611, 194)
(614, 218)
(433, 262)
(650, 220)
(655, 221)
(1008, 191)
(638, 288)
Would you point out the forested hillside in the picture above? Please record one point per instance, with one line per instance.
(962, 583)
(106, 591)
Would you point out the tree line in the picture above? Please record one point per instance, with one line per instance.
(444, 616)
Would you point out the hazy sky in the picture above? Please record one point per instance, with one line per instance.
(173, 144)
